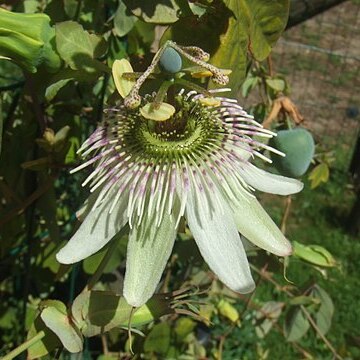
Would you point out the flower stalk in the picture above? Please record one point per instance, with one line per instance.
(24, 346)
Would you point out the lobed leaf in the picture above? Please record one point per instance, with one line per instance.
(153, 11)
(78, 48)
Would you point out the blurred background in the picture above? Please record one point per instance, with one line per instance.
(305, 308)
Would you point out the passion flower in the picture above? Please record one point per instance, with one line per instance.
(196, 164)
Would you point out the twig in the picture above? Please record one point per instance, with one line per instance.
(270, 66)
(23, 206)
(286, 214)
(308, 316)
(8, 192)
(37, 108)
(318, 331)
(276, 326)
(168, 274)
(222, 341)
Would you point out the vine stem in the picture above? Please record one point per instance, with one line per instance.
(18, 210)
(24, 346)
(318, 331)
(286, 214)
(306, 313)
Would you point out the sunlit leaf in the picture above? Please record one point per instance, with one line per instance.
(152, 11)
(228, 310)
(123, 20)
(320, 174)
(255, 25)
(46, 344)
(276, 84)
(58, 321)
(78, 48)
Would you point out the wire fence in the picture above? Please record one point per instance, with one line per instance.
(321, 60)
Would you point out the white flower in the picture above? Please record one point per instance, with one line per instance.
(149, 174)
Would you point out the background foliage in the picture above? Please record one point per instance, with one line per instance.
(53, 92)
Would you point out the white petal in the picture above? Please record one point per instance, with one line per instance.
(87, 206)
(98, 228)
(267, 182)
(248, 245)
(148, 251)
(219, 243)
(256, 225)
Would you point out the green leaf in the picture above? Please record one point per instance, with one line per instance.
(302, 300)
(63, 77)
(153, 11)
(54, 88)
(254, 25)
(324, 315)
(296, 325)
(1, 125)
(227, 310)
(197, 9)
(184, 326)
(267, 316)
(71, 7)
(158, 339)
(46, 344)
(91, 263)
(276, 84)
(123, 21)
(249, 83)
(265, 21)
(78, 48)
(320, 174)
(97, 311)
(58, 321)
(313, 254)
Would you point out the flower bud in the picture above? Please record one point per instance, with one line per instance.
(27, 40)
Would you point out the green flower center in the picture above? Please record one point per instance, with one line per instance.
(194, 128)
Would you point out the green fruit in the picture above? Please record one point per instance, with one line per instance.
(170, 61)
(298, 145)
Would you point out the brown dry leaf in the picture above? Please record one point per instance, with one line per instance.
(284, 104)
